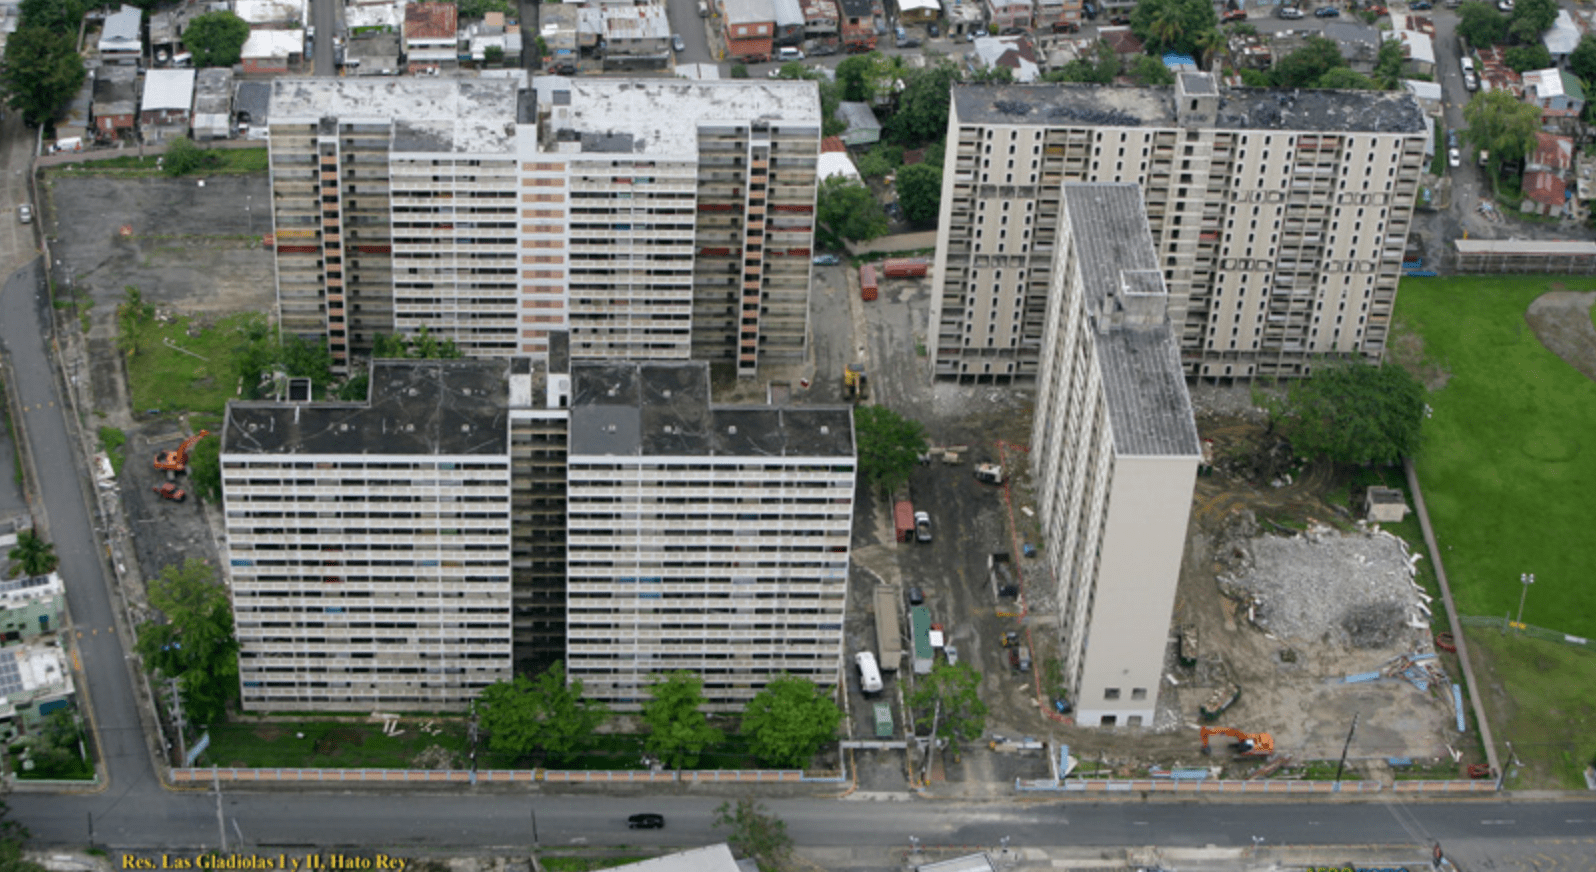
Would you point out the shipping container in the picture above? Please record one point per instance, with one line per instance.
(889, 639)
(920, 625)
(906, 267)
(867, 283)
(903, 515)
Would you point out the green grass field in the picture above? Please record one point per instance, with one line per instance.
(1538, 696)
(1505, 474)
(326, 744)
(165, 378)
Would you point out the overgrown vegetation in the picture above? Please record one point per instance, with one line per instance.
(54, 751)
(112, 440)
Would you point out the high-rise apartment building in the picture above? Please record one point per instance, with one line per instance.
(473, 517)
(369, 543)
(651, 219)
(708, 538)
(1278, 218)
(1114, 453)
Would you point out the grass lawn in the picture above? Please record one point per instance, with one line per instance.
(228, 160)
(1504, 470)
(162, 377)
(327, 744)
(1538, 696)
(584, 864)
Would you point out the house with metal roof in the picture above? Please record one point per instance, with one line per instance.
(121, 39)
(167, 106)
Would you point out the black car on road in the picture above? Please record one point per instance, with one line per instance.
(646, 822)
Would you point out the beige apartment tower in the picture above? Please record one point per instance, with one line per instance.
(648, 219)
(1278, 218)
(1114, 453)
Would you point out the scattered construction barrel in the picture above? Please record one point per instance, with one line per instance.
(867, 283)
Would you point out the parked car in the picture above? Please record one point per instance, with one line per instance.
(916, 595)
(1119, 20)
(970, 35)
(827, 260)
(951, 651)
(1451, 139)
(1288, 12)
(1327, 12)
(908, 42)
(1421, 5)
(822, 49)
(1090, 10)
(789, 53)
(932, 30)
(1454, 158)
(1471, 81)
(646, 822)
(1504, 5)
(25, 213)
(922, 526)
(1236, 15)
(894, 211)
(677, 42)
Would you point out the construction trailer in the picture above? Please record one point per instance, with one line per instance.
(920, 628)
(903, 518)
(868, 286)
(905, 267)
(889, 639)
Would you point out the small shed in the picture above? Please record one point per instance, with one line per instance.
(920, 626)
(863, 128)
(1385, 504)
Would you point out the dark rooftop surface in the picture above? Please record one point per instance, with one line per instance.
(1149, 408)
(421, 407)
(663, 409)
(1239, 108)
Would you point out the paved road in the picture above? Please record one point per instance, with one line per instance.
(324, 17)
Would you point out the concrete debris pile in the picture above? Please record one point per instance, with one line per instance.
(1356, 589)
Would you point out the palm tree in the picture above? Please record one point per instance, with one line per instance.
(1208, 43)
(32, 555)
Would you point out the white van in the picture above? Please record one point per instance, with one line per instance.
(869, 674)
(788, 53)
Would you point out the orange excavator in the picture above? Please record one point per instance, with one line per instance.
(177, 461)
(1247, 744)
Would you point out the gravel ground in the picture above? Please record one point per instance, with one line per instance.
(1354, 589)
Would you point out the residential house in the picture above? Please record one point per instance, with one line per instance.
(167, 106)
(271, 52)
(213, 103)
(789, 18)
(1122, 41)
(1010, 13)
(1250, 51)
(1012, 52)
(1496, 74)
(252, 108)
(431, 36)
(1428, 94)
(1418, 49)
(863, 126)
(1562, 38)
(376, 53)
(378, 16)
(1545, 193)
(31, 606)
(273, 14)
(1051, 17)
(919, 11)
(1557, 92)
(76, 119)
(121, 39)
(966, 16)
(1359, 43)
(35, 682)
(559, 22)
(115, 107)
(636, 38)
(750, 30)
(858, 25)
(820, 20)
(492, 33)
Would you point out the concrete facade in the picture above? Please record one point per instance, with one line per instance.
(1279, 218)
(1115, 451)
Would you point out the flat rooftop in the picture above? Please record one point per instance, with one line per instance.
(415, 407)
(663, 409)
(1149, 408)
(662, 116)
(460, 116)
(1239, 108)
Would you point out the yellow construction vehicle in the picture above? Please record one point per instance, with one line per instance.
(855, 383)
(1247, 744)
(177, 461)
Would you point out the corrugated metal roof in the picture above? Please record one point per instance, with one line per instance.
(167, 89)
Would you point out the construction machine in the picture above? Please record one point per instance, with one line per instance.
(169, 491)
(1247, 744)
(177, 461)
(855, 383)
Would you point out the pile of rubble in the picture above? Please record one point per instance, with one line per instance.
(1355, 588)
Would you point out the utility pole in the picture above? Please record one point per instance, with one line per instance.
(221, 826)
(1526, 579)
(1345, 748)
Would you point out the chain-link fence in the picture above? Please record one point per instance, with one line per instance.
(1504, 623)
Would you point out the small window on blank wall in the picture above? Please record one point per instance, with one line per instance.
(1139, 693)
(1111, 693)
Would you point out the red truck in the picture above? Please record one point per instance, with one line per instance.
(903, 516)
(867, 283)
(905, 267)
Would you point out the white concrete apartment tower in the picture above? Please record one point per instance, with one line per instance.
(1278, 218)
(713, 539)
(369, 543)
(1114, 452)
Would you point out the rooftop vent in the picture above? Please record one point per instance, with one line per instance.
(825, 430)
(732, 430)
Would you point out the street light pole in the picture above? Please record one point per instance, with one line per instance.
(1527, 579)
(534, 827)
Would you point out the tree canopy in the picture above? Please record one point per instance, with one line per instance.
(889, 445)
(790, 721)
(13, 837)
(1353, 413)
(755, 833)
(1148, 70)
(205, 468)
(1173, 25)
(424, 346)
(216, 38)
(184, 157)
(1523, 58)
(32, 555)
(922, 113)
(547, 713)
(1502, 124)
(1304, 67)
(1345, 79)
(920, 192)
(951, 697)
(195, 644)
(61, 16)
(849, 210)
(1388, 65)
(42, 72)
(1481, 24)
(1099, 70)
(677, 731)
(1531, 18)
